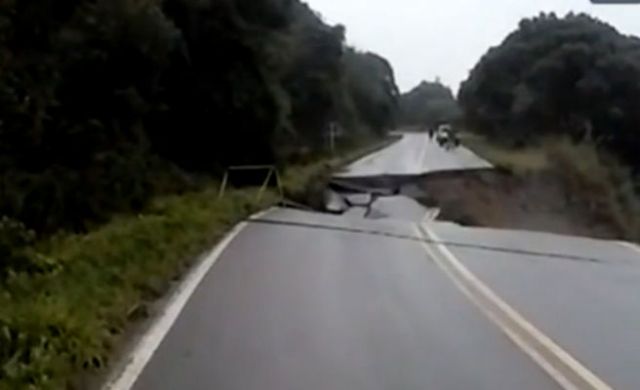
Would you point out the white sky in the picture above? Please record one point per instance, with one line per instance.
(425, 39)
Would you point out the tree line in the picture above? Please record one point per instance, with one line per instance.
(573, 76)
(105, 103)
(429, 104)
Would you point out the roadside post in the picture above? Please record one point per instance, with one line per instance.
(270, 172)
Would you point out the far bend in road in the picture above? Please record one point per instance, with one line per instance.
(413, 155)
(290, 307)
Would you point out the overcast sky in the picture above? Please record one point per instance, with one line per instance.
(425, 39)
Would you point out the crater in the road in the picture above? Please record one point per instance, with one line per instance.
(387, 184)
(416, 179)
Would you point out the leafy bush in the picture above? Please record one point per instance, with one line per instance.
(573, 76)
(429, 104)
(16, 255)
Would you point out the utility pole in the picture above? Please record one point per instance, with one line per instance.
(332, 136)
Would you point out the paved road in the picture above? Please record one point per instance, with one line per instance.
(304, 300)
(413, 154)
(587, 298)
(400, 207)
(317, 307)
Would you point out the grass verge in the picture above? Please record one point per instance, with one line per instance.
(57, 324)
(519, 161)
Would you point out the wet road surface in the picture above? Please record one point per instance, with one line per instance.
(304, 300)
(303, 307)
(414, 154)
(584, 293)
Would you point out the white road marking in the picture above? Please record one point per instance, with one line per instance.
(423, 153)
(431, 215)
(514, 325)
(630, 245)
(370, 159)
(125, 378)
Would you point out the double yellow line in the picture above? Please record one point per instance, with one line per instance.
(568, 372)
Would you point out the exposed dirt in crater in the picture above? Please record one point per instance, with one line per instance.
(538, 201)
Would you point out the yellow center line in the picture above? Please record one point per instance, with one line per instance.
(567, 371)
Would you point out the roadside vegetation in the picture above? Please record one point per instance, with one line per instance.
(578, 188)
(106, 104)
(117, 120)
(66, 306)
(428, 105)
(520, 161)
(556, 103)
(572, 76)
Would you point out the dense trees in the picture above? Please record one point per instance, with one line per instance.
(429, 104)
(573, 75)
(372, 86)
(104, 103)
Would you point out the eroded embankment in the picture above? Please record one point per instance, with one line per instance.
(541, 201)
(538, 201)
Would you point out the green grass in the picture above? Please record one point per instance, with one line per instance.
(58, 324)
(61, 325)
(519, 161)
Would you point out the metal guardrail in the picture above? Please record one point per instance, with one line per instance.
(271, 171)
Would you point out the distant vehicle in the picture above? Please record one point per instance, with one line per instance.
(445, 128)
(446, 137)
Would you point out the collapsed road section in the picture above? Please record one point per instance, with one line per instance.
(384, 184)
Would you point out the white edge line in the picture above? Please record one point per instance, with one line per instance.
(543, 339)
(630, 245)
(431, 215)
(125, 378)
(423, 154)
(365, 160)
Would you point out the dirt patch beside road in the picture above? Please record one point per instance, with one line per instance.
(540, 201)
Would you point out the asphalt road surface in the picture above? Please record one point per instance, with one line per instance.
(303, 300)
(323, 306)
(583, 293)
(413, 154)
